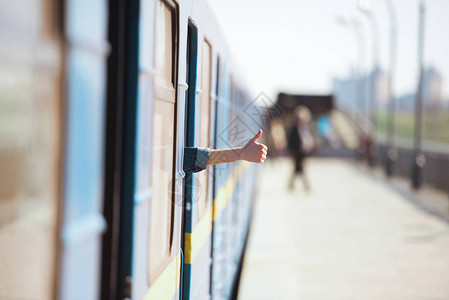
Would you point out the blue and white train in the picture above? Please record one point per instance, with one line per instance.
(99, 100)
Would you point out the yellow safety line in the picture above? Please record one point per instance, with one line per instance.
(167, 284)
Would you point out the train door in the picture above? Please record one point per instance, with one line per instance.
(198, 211)
(31, 144)
(142, 258)
(157, 221)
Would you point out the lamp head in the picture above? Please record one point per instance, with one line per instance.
(364, 6)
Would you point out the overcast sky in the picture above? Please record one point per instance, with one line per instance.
(298, 45)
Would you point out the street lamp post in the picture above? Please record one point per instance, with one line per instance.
(419, 159)
(392, 152)
(365, 8)
(361, 57)
(354, 22)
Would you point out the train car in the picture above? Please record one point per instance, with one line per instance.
(100, 99)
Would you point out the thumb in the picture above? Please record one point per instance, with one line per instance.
(257, 136)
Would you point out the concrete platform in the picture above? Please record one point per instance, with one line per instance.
(351, 237)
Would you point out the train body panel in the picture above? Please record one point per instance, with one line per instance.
(82, 219)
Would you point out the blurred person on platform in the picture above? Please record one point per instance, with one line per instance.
(278, 138)
(328, 138)
(300, 143)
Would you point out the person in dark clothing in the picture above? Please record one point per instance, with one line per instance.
(300, 143)
(295, 148)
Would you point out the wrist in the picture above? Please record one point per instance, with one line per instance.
(233, 154)
(240, 153)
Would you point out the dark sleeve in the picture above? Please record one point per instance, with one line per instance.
(195, 159)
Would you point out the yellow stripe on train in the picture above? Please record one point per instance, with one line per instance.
(195, 240)
(167, 284)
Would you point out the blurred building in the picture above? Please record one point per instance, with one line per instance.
(432, 93)
(406, 102)
(346, 90)
(432, 89)
(381, 84)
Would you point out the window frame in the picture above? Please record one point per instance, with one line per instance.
(160, 87)
(202, 208)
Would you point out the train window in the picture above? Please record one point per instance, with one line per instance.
(29, 150)
(204, 121)
(162, 174)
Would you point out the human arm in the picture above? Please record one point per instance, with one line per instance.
(252, 152)
(197, 159)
